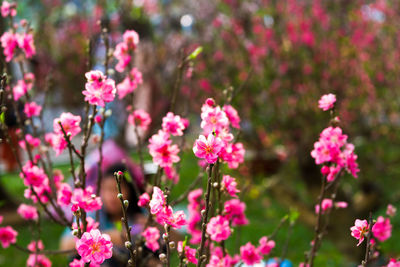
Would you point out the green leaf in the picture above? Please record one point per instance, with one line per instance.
(3, 118)
(293, 216)
(118, 225)
(128, 177)
(195, 53)
(184, 243)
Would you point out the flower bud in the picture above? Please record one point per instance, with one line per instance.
(75, 232)
(126, 203)
(172, 244)
(120, 196)
(128, 245)
(163, 257)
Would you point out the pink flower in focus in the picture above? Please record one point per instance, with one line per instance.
(232, 115)
(9, 43)
(249, 254)
(85, 199)
(326, 102)
(326, 205)
(94, 246)
(28, 212)
(208, 148)
(8, 9)
(164, 154)
(218, 228)
(151, 235)
(140, 118)
(32, 109)
(190, 253)
(157, 202)
(382, 229)
(98, 88)
(173, 124)
(359, 230)
(391, 210)
(266, 245)
(229, 185)
(38, 260)
(69, 122)
(167, 216)
(144, 200)
(234, 210)
(7, 236)
(213, 119)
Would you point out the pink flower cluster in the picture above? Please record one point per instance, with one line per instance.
(151, 235)
(332, 148)
(234, 211)
(36, 178)
(130, 83)
(216, 140)
(381, 230)
(195, 206)
(32, 142)
(164, 213)
(94, 247)
(11, 41)
(190, 253)
(8, 9)
(124, 50)
(140, 118)
(252, 255)
(218, 259)
(218, 228)
(98, 89)
(327, 204)
(79, 198)
(229, 184)
(23, 87)
(173, 124)
(34, 259)
(70, 124)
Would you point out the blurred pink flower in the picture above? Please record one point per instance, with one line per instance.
(7, 236)
(249, 254)
(144, 200)
(28, 212)
(32, 109)
(382, 229)
(173, 124)
(98, 89)
(151, 235)
(229, 185)
(326, 102)
(140, 118)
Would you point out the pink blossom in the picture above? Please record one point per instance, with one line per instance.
(131, 38)
(326, 204)
(25, 42)
(140, 118)
(208, 148)
(94, 246)
(69, 122)
(232, 115)
(234, 210)
(359, 230)
(85, 199)
(341, 204)
(249, 254)
(81, 263)
(229, 185)
(20, 89)
(32, 142)
(9, 43)
(38, 260)
(393, 263)
(144, 200)
(98, 88)
(8, 9)
(171, 174)
(164, 154)
(218, 228)
(326, 102)
(33, 175)
(190, 253)
(130, 83)
(121, 53)
(32, 109)
(173, 124)
(34, 246)
(382, 229)
(233, 154)
(168, 216)
(266, 245)
(90, 224)
(157, 202)
(56, 141)
(151, 235)
(28, 212)
(7, 236)
(213, 119)
(391, 210)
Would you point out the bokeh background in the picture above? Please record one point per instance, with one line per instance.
(277, 57)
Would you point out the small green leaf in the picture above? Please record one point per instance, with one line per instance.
(128, 177)
(2, 117)
(195, 53)
(118, 225)
(293, 216)
(184, 243)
